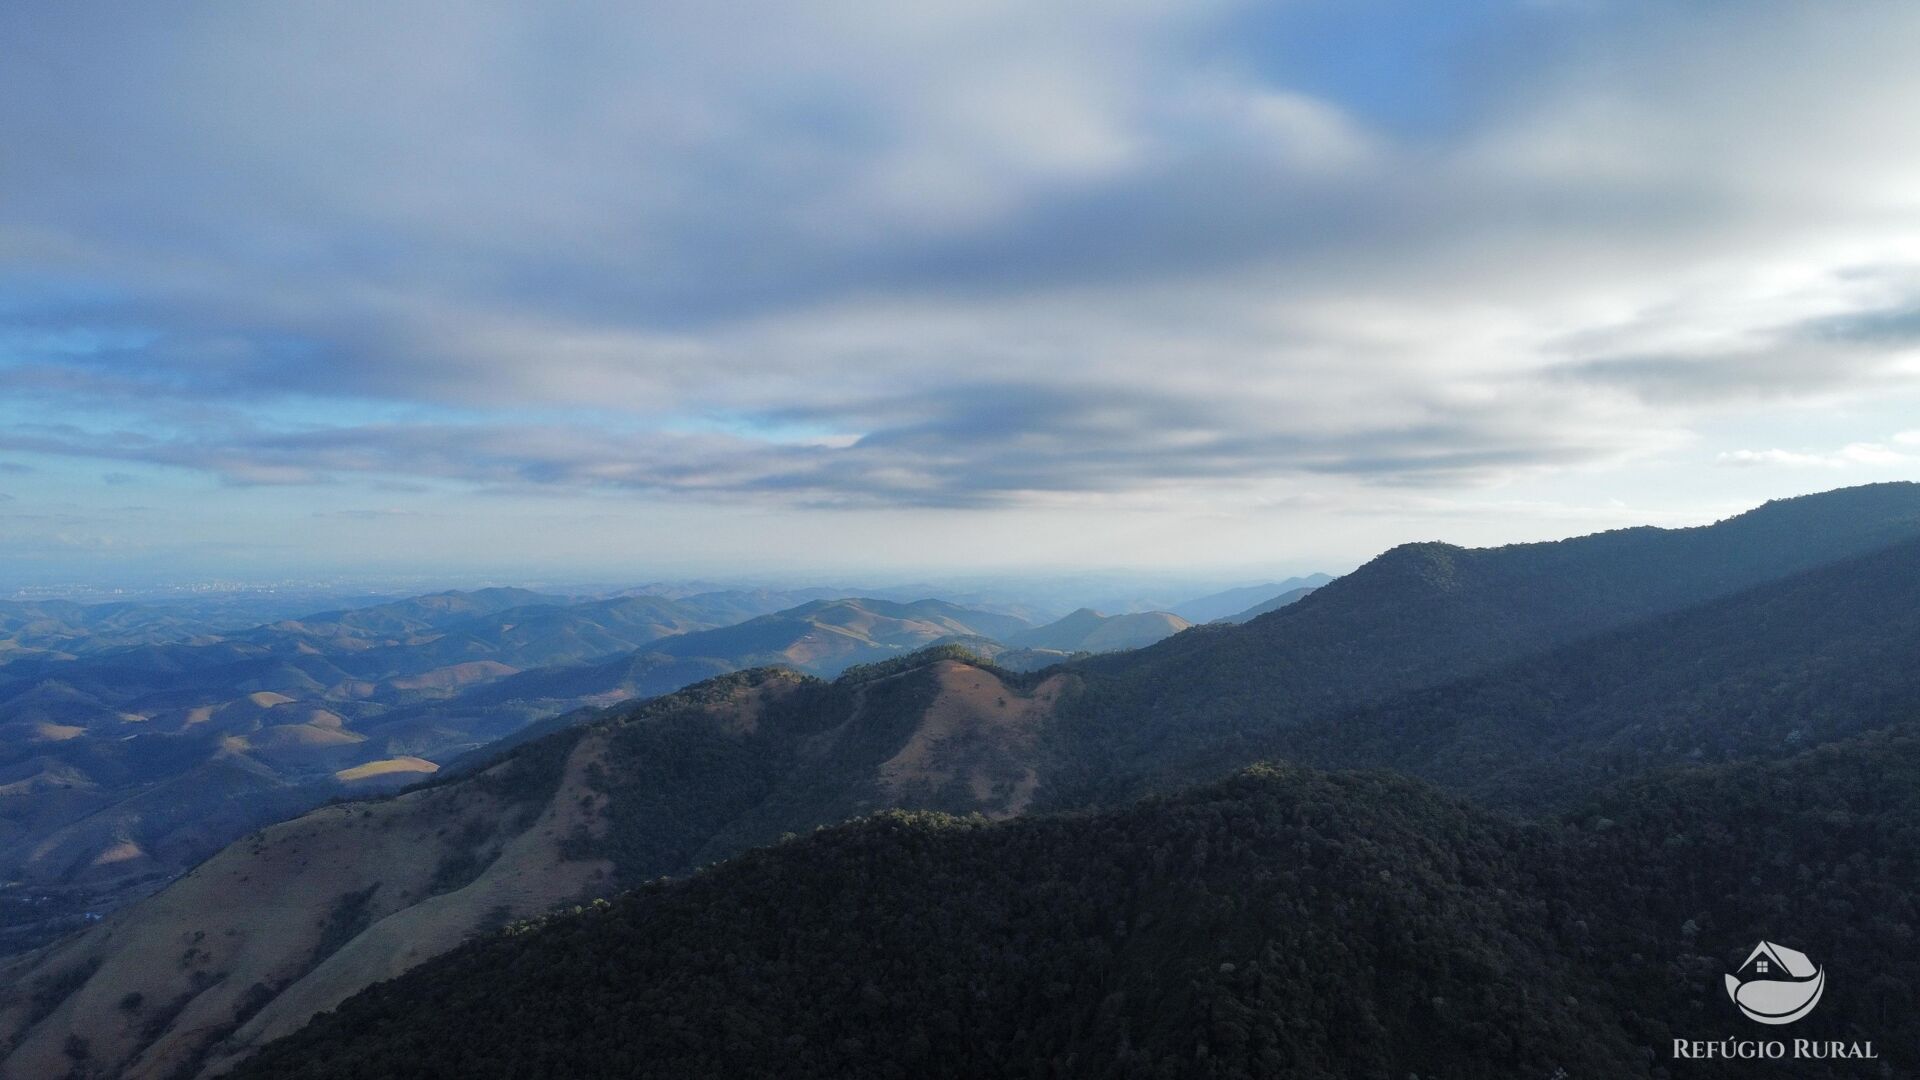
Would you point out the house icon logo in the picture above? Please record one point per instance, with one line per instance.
(1776, 985)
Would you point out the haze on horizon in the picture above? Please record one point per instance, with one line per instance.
(947, 288)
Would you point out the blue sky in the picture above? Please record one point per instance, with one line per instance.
(848, 287)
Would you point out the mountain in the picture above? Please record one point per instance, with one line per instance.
(234, 730)
(298, 916)
(1229, 602)
(64, 629)
(828, 636)
(420, 613)
(1089, 631)
(223, 731)
(1423, 615)
(1812, 659)
(1281, 923)
(726, 606)
(1271, 604)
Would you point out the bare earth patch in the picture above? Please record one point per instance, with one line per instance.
(385, 767)
(978, 731)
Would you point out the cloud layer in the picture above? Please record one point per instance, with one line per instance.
(980, 254)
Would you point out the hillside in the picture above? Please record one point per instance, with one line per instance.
(1090, 631)
(120, 768)
(1228, 602)
(1812, 659)
(364, 890)
(1271, 604)
(118, 771)
(1424, 615)
(828, 636)
(1282, 923)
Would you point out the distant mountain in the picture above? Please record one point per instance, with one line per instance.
(828, 636)
(1281, 923)
(420, 613)
(65, 630)
(1087, 630)
(1273, 604)
(301, 708)
(728, 606)
(1235, 601)
(725, 607)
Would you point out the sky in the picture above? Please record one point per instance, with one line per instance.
(626, 291)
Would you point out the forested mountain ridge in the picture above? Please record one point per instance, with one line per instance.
(1423, 615)
(1090, 631)
(1284, 922)
(1814, 658)
(364, 890)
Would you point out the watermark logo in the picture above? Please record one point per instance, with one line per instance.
(1776, 985)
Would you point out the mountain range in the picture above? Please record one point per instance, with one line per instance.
(1238, 604)
(123, 764)
(1621, 760)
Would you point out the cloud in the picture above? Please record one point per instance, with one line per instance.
(1788, 458)
(384, 513)
(944, 254)
(1860, 453)
(957, 446)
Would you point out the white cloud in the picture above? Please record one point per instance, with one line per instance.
(1307, 134)
(882, 220)
(1853, 454)
(1787, 458)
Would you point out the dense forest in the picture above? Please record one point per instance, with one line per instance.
(1285, 922)
(1815, 658)
(1356, 659)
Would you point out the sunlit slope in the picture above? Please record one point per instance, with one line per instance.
(362, 891)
